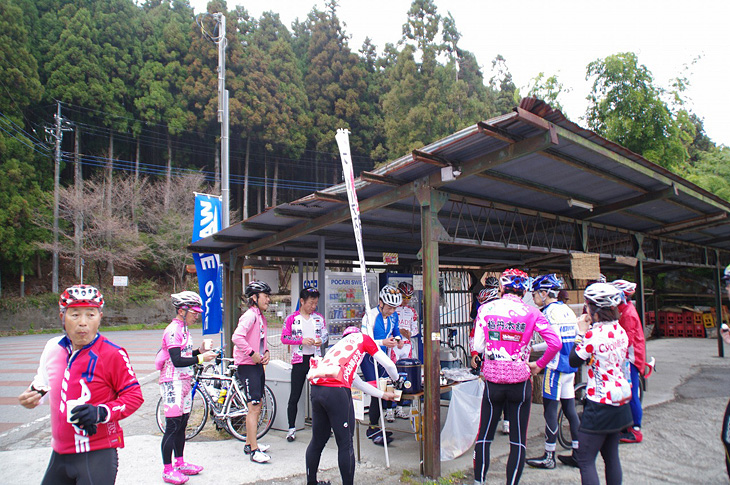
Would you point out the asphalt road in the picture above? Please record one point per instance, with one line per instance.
(682, 417)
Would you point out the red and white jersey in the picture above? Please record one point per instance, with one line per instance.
(407, 319)
(340, 363)
(405, 352)
(606, 345)
(176, 335)
(98, 374)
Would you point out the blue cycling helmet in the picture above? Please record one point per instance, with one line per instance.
(549, 282)
(515, 279)
(726, 275)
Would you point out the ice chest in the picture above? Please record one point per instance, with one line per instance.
(412, 369)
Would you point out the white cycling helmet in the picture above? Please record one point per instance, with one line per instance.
(391, 296)
(628, 288)
(187, 300)
(603, 295)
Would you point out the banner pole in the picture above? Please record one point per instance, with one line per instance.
(343, 143)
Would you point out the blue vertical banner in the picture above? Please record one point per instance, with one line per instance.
(208, 266)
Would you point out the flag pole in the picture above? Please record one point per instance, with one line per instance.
(343, 143)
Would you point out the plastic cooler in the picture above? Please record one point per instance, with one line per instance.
(412, 369)
(278, 378)
(449, 360)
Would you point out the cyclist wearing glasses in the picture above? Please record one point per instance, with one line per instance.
(382, 326)
(603, 343)
(332, 409)
(174, 361)
(250, 355)
(305, 330)
(637, 356)
(725, 333)
(92, 386)
(558, 388)
(408, 317)
(504, 329)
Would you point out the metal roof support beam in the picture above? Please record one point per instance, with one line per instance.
(419, 156)
(379, 179)
(477, 165)
(497, 132)
(649, 172)
(628, 203)
(691, 224)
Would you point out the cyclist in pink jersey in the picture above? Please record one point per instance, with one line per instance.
(503, 331)
(175, 360)
(604, 345)
(331, 380)
(305, 330)
(92, 386)
(250, 355)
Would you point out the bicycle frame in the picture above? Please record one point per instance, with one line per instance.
(219, 408)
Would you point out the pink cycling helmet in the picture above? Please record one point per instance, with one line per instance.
(627, 287)
(350, 330)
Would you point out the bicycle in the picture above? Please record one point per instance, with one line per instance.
(462, 356)
(220, 395)
(564, 437)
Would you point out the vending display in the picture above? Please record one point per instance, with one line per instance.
(344, 303)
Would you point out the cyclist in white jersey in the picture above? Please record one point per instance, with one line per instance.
(408, 318)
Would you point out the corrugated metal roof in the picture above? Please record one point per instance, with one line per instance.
(504, 207)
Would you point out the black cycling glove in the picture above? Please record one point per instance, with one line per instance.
(86, 416)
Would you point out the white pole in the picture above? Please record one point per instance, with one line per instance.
(343, 143)
(223, 118)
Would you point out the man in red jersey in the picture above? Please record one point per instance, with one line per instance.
(92, 387)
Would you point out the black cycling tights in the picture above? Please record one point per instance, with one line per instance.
(92, 468)
(725, 436)
(551, 420)
(174, 438)
(590, 445)
(517, 399)
(332, 409)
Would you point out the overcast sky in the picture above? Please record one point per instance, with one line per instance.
(562, 38)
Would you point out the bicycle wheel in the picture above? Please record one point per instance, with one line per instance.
(564, 437)
(196, 421)
(463, 356)
(237, 410)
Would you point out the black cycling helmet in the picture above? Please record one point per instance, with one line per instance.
(256, 287)
(491, 282)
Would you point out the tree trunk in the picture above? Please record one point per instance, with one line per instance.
(266, 183)
(109, 171)
(258, 199)
(276, 182)
(22, 281)
(78, 216)
(135, 203)
(245, 179)
(168, 177)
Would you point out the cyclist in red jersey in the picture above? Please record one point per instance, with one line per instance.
(92, 386)
(331, 380)
(631, 323)
(175, 360)
(725, 333)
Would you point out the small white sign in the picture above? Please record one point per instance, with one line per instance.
(358, 404)
(121, 281)
(418, 282)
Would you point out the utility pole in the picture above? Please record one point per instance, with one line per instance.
(56, 197)
(223, 116)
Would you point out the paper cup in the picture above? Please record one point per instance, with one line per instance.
(70, 404)
(383, 384)
(207, 344)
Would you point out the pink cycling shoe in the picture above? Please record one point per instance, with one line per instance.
(189, 468)
(175, 477)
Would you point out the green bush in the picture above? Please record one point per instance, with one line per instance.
(16, 304)
(142, 292)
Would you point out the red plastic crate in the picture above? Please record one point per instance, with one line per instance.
(699, 330)
(650, 318)
(681, 329)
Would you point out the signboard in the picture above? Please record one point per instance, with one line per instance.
(390, 258)
(418, 282)
(121, 281)
(585, 266)
(207, 221)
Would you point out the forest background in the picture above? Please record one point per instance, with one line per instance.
(136, 87)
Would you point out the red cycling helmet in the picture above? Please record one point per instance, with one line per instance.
(515, 279)
(406, 288)
(80, 295)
